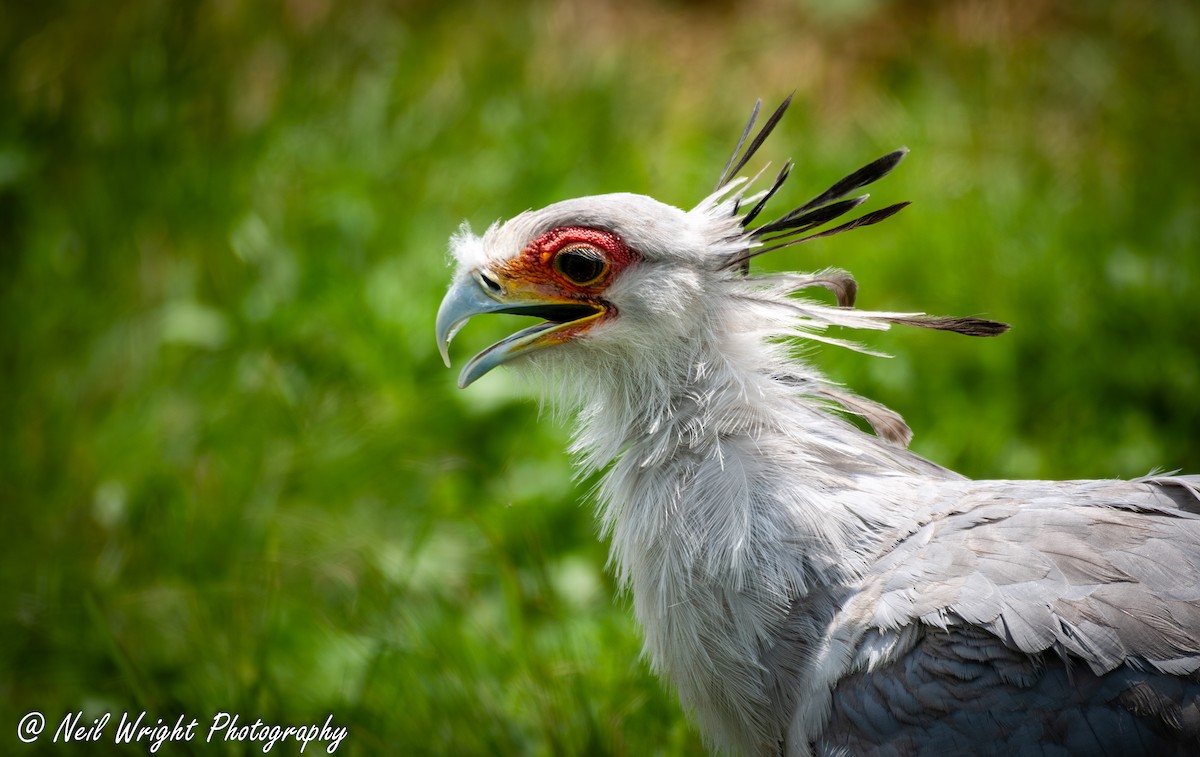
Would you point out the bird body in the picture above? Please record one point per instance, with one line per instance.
(805, 586)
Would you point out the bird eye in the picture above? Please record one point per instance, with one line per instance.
(580, 265)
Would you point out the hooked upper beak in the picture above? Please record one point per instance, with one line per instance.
(477, 293)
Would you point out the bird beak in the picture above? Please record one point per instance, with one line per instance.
(473, 294)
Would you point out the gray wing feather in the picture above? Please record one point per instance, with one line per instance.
(1108, 572)
(1051, 618)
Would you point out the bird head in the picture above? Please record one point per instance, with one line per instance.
(608, 274)
(625, 276)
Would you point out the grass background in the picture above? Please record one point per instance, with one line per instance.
(234, 473)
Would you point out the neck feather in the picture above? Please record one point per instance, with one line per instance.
(741, 512)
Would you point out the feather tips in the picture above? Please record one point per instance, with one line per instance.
(967, 326)
(885, 422)
(732, 168)
(868, 174)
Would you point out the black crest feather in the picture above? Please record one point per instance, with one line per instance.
(792, 227)
(968, 326)
(732, 168)
(799, 224)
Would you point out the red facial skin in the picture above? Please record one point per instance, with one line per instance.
(536, 262)
(534, 267)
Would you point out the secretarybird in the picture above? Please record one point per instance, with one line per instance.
(805, 586)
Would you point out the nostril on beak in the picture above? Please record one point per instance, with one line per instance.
(490, 284)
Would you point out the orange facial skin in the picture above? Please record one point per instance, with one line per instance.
(561, 277)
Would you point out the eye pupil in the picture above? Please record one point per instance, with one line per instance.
(580, 266)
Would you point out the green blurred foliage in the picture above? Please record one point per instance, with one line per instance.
(235, 474)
